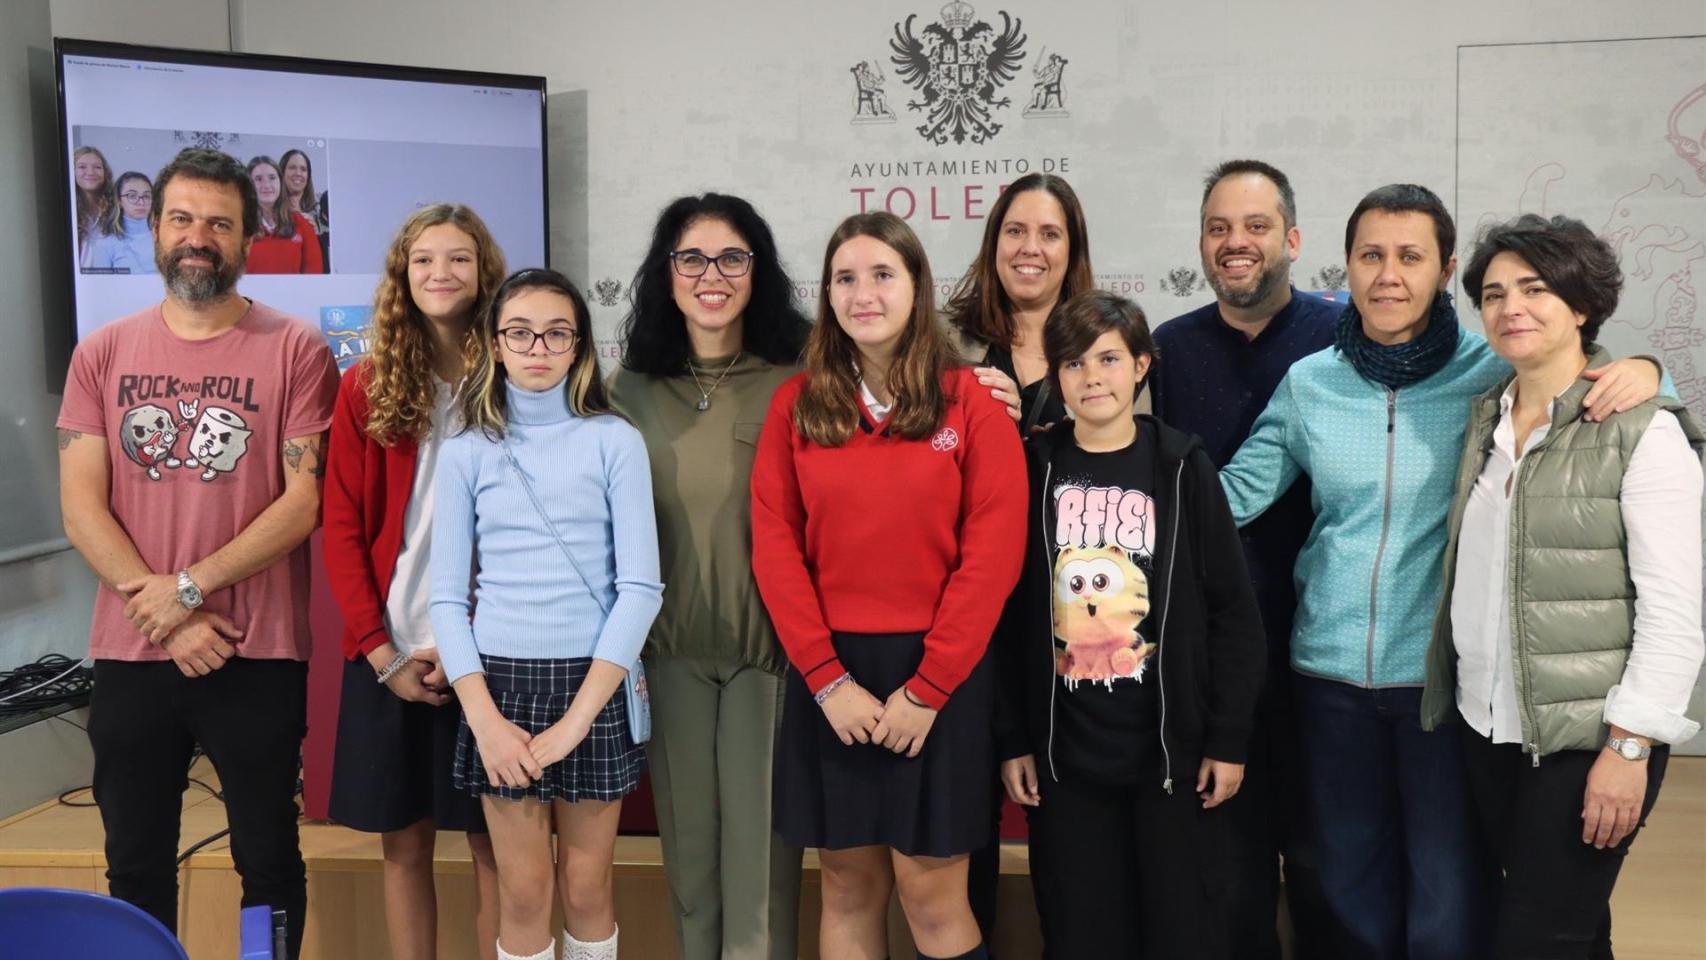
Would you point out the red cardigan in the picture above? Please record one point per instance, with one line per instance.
(367, 489)
(885, 535)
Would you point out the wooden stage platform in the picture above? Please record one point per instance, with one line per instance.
(1657, 907)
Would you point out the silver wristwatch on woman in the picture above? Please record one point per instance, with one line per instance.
(1629, 748)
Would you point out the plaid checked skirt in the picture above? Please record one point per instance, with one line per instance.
(533, 694)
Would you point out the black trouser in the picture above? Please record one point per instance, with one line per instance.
(249, 718)
(1130, 871)
(1555, 901)
(1270, 821)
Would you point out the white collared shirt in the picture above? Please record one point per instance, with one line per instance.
(1660, 503)
(878, 409)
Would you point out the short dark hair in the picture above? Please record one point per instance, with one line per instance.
(214, 166)
(1578, 266)
(654, 333)
(1077, 322)
(1233, 168)
(1407, 198)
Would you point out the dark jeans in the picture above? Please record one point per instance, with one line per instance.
(1403, 866)
(249, 718)
(1555, 901)
(1126, 872)
(1271, 821)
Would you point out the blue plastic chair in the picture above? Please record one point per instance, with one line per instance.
(257, 934)
(79, 925)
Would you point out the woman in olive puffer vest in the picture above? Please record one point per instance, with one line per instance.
(1569, 635)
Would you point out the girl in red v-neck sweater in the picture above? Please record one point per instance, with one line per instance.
(888, 520)
(887, 535)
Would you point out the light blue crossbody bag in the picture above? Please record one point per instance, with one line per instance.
(634, 684)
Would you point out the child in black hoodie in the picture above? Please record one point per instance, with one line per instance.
(1130, 655)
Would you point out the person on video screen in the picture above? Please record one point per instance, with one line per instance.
(287, 242)
(94, 197)
(125, 242)
(299, 187)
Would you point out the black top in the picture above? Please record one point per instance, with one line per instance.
(1213, 381)
(1209, 655)
(1101, 521)
(1052, 409)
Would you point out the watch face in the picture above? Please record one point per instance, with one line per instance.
(1630, 750)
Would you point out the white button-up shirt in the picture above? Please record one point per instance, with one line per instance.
(1660, 503)
(878, 409)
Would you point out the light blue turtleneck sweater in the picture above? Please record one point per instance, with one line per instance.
(591, 476)
(132, 250)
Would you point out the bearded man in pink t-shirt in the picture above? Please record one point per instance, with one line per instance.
(190, 460)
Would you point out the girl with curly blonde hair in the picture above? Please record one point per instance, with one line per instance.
(398, 718)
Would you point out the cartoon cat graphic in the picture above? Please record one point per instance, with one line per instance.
(1100, 598)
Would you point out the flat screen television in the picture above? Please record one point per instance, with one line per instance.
(354, 147)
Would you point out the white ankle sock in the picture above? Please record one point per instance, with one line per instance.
(549, 953)
(581, 950)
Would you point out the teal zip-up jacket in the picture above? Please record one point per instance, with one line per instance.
(1382, 463)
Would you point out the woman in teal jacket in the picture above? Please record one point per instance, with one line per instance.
(1377, 424)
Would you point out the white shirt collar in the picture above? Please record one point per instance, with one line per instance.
(878, 409)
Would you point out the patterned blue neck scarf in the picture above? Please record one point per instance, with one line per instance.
(1402, 364)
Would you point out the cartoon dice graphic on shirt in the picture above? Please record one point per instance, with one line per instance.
(146, 434)
(219, 440)
(1100, 597)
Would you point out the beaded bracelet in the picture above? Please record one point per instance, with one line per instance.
(395, 665)
(830, 688)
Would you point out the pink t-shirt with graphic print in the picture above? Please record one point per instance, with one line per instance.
(194, 432)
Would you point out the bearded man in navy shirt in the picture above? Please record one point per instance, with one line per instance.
(1215, 370)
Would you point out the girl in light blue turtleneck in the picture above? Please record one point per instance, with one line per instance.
(126, 240)
(547, 497)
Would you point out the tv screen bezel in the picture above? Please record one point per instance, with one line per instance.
(71, 47)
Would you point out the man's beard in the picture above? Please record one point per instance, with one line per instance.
(197, 285)
(1273, 278)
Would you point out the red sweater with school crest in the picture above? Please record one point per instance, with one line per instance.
(888, 535)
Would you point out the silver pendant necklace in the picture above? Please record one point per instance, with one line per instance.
(704, 394)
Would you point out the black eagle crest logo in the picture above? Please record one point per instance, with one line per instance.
(959, 65)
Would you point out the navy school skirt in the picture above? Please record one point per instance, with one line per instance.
(834, 796)
(392, 765)
(534, 694)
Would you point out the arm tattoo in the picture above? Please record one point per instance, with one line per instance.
(66, 436)
(305, 454)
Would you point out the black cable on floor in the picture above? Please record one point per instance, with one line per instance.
(51, 681)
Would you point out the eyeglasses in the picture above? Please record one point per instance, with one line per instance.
(521, 340)
(694, 263)
(135, 196)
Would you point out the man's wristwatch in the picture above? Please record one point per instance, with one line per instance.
(1629, 748)
(188, 593)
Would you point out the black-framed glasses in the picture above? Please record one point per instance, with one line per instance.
(136, 196)
(694, 263)
(521, 340)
